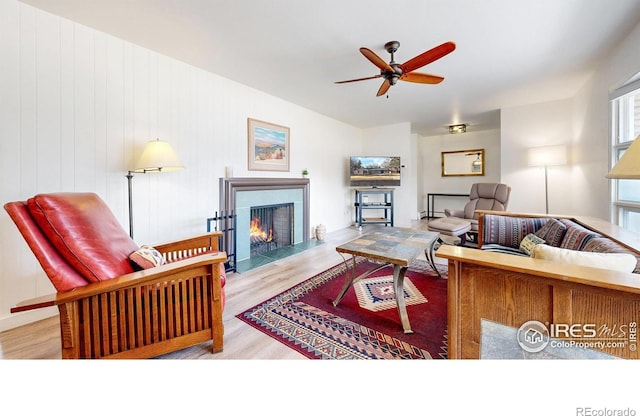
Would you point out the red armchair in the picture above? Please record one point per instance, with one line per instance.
(108, 310)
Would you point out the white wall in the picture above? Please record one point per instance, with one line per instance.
(77, 107)
(430, 179)
(397, 140)
(582, 122)
(532, 126)
(592, 128)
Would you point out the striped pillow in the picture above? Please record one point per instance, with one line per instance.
(552, 232)
(497, 248)
(509, 231)
(576, 236)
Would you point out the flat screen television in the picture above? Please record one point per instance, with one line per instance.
(374, 171)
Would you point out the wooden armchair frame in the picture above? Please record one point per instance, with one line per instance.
(147, 313)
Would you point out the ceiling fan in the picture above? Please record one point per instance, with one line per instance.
(392, 71)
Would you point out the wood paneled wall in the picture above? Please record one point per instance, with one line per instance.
(77, 107)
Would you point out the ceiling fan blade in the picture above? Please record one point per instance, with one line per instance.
(375, 59)
(421, 78)
(428, 57)
(357, 79)
(383, 88)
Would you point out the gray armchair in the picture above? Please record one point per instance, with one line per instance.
(487, 196)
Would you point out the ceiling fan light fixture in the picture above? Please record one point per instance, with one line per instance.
(457, 128)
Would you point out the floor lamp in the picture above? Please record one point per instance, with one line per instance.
(546, 156)
(157, 156)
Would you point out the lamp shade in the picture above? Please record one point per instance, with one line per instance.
(628, 167)
(158, 156)
(548, 155)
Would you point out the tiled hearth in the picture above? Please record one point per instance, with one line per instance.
(274, 255)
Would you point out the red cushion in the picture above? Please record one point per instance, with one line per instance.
(62, 275)
(85, 232)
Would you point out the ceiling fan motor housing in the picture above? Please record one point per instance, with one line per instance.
(392, 77)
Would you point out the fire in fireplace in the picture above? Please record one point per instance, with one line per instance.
(257, 233)
(271, 228)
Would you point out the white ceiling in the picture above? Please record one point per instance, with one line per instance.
(509, 52)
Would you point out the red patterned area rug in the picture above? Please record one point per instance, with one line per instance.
(365, 324)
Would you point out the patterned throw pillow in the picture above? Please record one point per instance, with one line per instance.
(146, 257)
(529, 242)
(552, 232)
(576, 236)
(509, 231)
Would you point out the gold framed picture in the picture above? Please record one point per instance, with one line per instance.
(268, 146)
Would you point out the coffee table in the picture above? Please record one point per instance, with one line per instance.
(389, 246)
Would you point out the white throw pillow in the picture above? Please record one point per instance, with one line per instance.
(611, 261)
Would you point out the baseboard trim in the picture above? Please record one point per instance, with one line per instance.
(23, 318)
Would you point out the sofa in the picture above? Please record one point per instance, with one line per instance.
(562, 271)
(561, 239)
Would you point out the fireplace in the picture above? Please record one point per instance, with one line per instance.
(271, 227)
(240, 195)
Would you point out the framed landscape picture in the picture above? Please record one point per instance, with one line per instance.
(268, 146)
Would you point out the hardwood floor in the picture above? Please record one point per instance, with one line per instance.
(41, 340)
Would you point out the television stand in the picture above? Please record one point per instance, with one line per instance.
(383, 207)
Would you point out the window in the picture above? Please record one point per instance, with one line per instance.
(625, 193)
